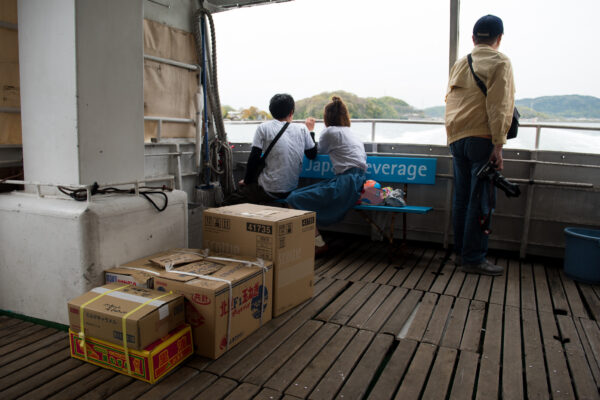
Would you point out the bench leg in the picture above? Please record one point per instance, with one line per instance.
(389, 237)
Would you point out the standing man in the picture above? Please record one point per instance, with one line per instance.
(476, 126)
(284, 162)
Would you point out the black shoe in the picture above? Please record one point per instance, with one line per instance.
(484, 268)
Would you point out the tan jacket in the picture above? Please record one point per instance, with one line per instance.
(468, 111)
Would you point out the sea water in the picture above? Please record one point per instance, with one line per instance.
(555, 139)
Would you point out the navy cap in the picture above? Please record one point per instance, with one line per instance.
(488, 26)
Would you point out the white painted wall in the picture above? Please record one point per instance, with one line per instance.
(110, 89)
(52, 250)
(48, 90)
(81, 65)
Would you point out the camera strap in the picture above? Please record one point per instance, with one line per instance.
(485, 221)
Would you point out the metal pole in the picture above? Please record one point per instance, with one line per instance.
(174, 63)
(448, 223)
(454, 19)
(178, 167)
(11, 110)
(8, 25)
(373, 131)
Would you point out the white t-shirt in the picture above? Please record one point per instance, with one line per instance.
(284, 162)
(345, 149)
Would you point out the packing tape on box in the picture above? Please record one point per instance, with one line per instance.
(258, 263)
(82, 332)
(169, 268)
(124, 324)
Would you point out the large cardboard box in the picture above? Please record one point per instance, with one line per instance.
(149, 365)
(281, 235)
(149, 314)
(218, 323)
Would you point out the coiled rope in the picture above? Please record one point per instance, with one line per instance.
(219, 148)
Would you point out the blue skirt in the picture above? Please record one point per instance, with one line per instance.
(331, 199)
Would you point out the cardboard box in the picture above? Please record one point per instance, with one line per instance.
(207, 299)
(140, 277)
(105, 307)
(149, 365)
(141, 272)
(281, 235)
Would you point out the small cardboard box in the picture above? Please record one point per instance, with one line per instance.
(149, 365)
(149, 314)
(134, 276)
(205, 285)
(281, 235)
(141, 272)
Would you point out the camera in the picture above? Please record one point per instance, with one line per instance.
(488, 171)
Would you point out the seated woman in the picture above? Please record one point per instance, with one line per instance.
(331, 199)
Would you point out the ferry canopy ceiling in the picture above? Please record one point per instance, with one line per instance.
(223, 5)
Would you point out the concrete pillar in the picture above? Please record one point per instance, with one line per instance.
(81, 66)
(82, 90)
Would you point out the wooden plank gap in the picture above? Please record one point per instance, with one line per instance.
(393, 372)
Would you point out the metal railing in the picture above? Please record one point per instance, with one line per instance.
(531, 182)
(538, 126)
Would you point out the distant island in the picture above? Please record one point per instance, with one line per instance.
(359, 107)
(546, 108)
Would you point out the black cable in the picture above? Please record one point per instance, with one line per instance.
(145, 194)
(81, 194)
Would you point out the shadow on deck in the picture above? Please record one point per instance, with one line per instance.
(414, 328)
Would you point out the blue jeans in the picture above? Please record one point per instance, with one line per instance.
(473, 198)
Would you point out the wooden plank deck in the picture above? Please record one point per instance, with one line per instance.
(416, 327)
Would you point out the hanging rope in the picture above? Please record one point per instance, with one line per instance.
(220, 155)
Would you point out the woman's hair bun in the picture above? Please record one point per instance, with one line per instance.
(335, 98)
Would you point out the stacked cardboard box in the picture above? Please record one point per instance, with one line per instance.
(149, 365)
(204, 280)
(227, 299)
(149, 314)
(131, 330)
(281, 235)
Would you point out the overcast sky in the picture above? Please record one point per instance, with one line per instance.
(399, 48)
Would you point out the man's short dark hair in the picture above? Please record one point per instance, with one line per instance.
(281, 105)
(487, 29)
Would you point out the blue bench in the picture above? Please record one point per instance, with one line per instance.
(387, 171)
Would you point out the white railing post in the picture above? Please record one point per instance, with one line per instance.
(373, 131)
(538, 133)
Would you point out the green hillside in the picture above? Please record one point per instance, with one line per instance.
(435, 112)
(549, 108)
(359, 107)
(571, 106)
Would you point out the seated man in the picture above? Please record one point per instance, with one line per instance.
(284, 162)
